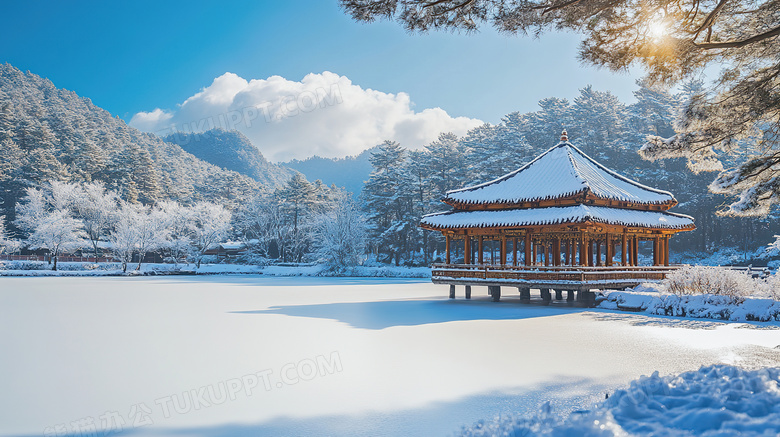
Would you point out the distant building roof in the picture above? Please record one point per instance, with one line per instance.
(561, 172)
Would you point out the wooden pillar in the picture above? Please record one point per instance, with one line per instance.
(590, 253)
(573, 250)
(514, 251)
(480, 250)
(656, 258)
(636, 251)
(447, 249)
(623, 245)
(502, 242)
(556, 251)
(664, 260)
(536, 253)
(583, 251)
(527, 248)
(666, 250)
(598, 252)
(546, 249)
(610, 253)
(467, 255)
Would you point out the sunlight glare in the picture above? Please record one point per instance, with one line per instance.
(657, 29)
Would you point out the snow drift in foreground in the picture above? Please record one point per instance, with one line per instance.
(707, 306)
(717, 400)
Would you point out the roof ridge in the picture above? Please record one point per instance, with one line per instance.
(576, 169)
(618, 175)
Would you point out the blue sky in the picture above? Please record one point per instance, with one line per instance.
(141, 55)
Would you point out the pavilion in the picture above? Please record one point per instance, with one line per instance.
(562, 222)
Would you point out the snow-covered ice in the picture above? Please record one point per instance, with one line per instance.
(341, 356)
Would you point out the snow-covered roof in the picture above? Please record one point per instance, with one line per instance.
(562, 171)
(556, 215)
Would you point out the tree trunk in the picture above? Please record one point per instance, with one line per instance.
(95, 248)
(55, 263)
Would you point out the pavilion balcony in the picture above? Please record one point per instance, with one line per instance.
(579, 278)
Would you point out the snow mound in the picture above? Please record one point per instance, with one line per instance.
(718, 400)
(704, 306)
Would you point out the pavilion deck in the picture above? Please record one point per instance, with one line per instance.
(547, 279)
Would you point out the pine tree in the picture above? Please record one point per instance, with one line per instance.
(388, 202)
(296, 197)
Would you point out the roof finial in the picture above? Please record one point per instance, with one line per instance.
(564, 136)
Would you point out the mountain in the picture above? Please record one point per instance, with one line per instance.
(349, 173)
(231, 150)
(50, 133)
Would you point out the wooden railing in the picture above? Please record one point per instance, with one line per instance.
(573, 274)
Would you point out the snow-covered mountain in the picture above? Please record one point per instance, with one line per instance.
(349, 173)
(50, 133)
(231, 150)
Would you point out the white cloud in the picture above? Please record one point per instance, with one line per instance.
(149, 121)
(323, 114)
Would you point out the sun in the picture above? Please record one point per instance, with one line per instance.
(657, 29)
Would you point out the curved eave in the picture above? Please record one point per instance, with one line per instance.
(557, 216)
(569, 199)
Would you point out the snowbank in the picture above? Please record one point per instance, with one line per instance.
(42, 268)
(717, 400)
(708, 306)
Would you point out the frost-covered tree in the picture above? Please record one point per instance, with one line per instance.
(96, 207)
(178, 222)
(7, 245)
(47, 221)
(3, 234)
(59, 233)
(152, 231)
(123, 238)
(138, 230)
(210, 226)
(340, 234)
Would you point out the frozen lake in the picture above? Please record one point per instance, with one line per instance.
(250, 355)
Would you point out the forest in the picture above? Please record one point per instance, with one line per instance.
(50, 137)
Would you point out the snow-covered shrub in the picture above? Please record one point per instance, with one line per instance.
(340, 235)
(710, 280)
(773, 286)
